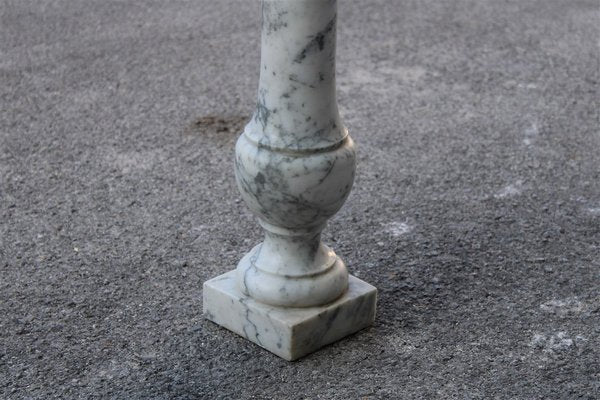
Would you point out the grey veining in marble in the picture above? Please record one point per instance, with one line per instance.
(294, 166)
(289, 332)
(296, 108)
(295, 162)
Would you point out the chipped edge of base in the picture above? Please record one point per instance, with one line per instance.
(290, 333)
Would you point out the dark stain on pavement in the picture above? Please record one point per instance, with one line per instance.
(222, 130)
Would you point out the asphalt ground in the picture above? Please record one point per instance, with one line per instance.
(475, 212)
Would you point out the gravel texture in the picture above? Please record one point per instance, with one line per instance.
(476, 208)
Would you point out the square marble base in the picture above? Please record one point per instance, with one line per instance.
(289, 332)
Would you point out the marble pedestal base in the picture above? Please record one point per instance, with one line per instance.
(289, 332)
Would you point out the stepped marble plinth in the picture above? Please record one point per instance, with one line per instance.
(294, 166)
(289, 332)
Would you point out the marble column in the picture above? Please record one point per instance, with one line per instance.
(294, 166)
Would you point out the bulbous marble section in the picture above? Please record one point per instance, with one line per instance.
(294, 190)
(293, 194)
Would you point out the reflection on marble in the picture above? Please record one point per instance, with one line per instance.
(294, 166)
(288, 332)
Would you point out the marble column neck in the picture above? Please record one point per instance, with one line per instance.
(296, 108)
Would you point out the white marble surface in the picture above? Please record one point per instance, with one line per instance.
(289, 332)
(297, 108)
(295, 162)
(294, 166)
